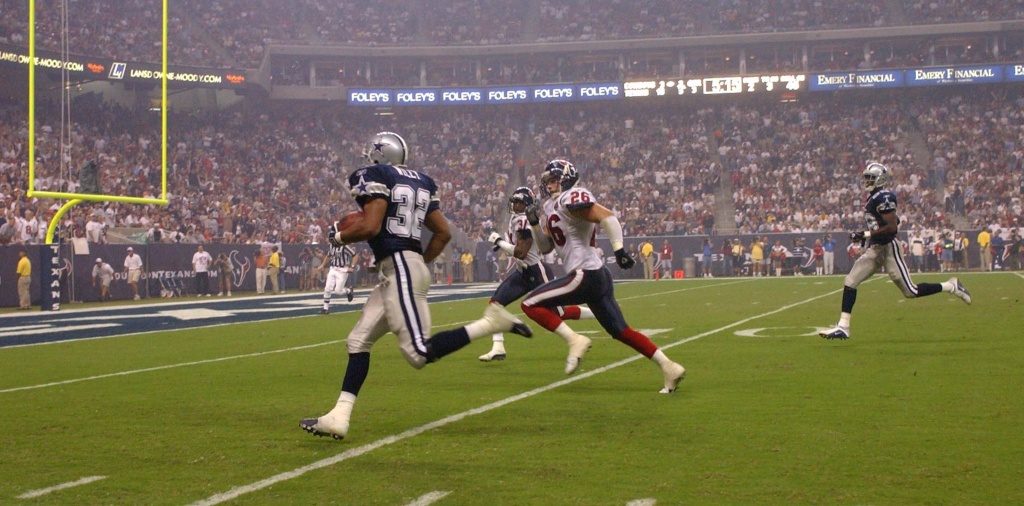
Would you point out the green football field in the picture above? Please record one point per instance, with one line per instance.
(923, 405)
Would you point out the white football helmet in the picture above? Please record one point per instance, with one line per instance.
(387, 148)
(875, 176)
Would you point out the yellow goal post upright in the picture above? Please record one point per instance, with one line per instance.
(50, 271)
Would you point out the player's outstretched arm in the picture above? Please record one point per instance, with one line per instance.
(438, 225)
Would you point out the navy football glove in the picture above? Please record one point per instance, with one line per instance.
(623, 259)
(532, 215)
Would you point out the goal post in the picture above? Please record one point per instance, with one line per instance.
(77, 198)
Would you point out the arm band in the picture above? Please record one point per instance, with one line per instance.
(613, 228)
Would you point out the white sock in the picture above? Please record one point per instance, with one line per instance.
(844, 320)
(343, 409)
(948, 286)
(565, 332)
(660, 358)
(479, 328)
(585, 312)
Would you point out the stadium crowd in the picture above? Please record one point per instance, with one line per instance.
(275, 173)
(235, 33)
(978, 146)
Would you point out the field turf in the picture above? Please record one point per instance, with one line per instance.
(923, 405)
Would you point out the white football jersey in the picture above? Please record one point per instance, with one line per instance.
(516, 223)
(575, 239)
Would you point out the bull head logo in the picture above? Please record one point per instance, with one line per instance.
(241, 267)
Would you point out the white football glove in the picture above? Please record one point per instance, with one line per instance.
(494, 238)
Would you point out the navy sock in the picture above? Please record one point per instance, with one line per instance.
(849, 299)
(446, 342)
(355, 374)
(928, 289)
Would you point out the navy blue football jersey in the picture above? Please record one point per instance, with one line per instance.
(410, 197)
(879, 203)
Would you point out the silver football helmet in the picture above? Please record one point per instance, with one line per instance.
(875, 176)
(387, 148)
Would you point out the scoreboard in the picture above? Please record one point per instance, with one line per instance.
(715, 85)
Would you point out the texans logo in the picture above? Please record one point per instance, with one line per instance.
(241, 268)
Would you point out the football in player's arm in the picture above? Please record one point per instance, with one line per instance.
(882, 249)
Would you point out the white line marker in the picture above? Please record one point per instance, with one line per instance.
(43, 491)
(358, 451)
(46, 329)
(642, 502)
(430, 498)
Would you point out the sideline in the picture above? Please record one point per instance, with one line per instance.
(239, 491)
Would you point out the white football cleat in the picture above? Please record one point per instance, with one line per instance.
(494, 355)
(326, 425)
(837, 332)
(578, 347)
(960, 291)
(674, 374)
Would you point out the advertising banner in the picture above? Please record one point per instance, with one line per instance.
(90, 68)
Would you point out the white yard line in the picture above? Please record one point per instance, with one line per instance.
(239, 491)
(43, 491)
(642, 502)
(430, 498)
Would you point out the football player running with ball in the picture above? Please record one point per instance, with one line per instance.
(529, 272)
(882, 250)
(569, 224)
(397, 203)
